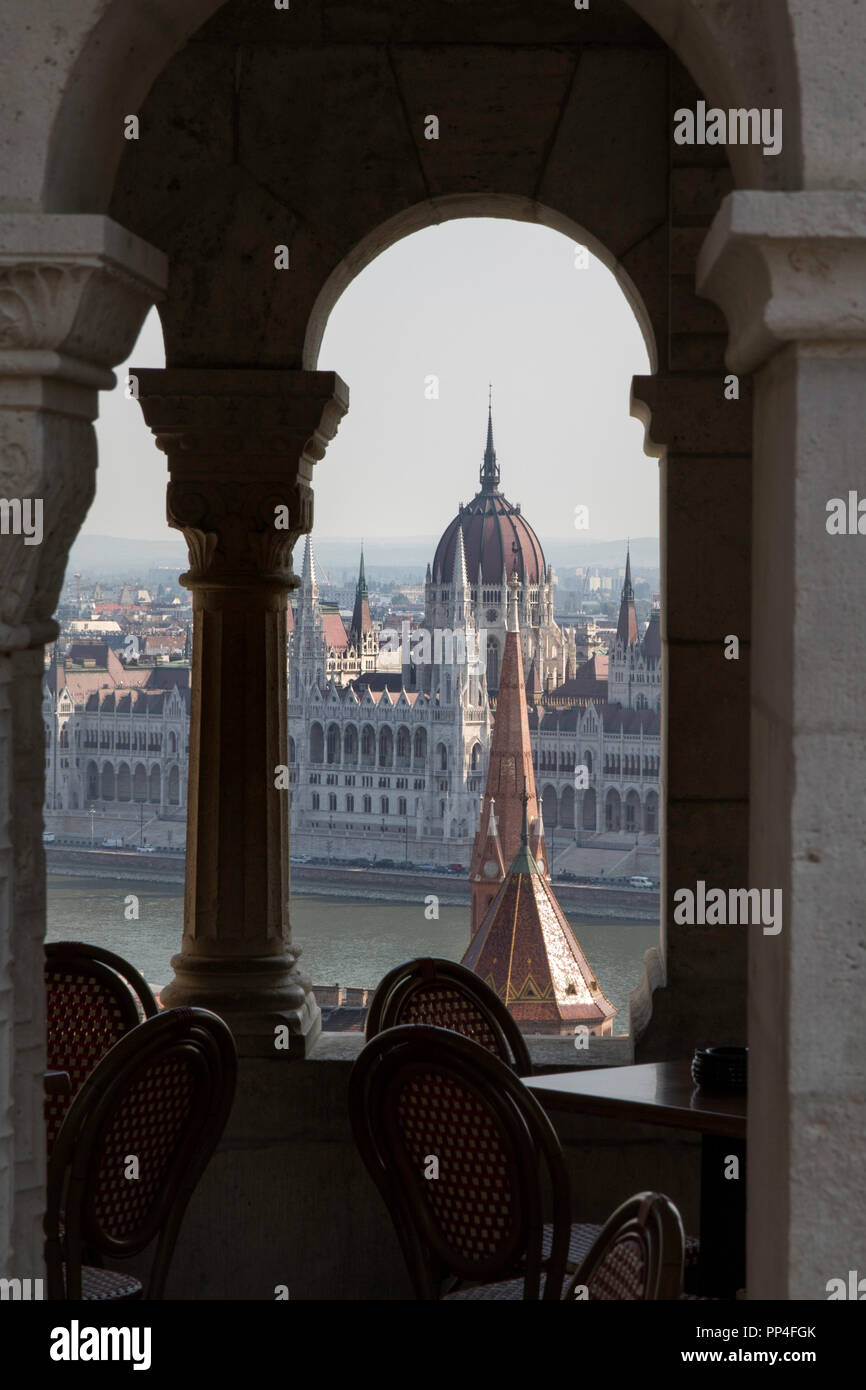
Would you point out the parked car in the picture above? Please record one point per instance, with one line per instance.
(299, 859)
(145, 849)
(457, 868)
(385, 864)
(111, 843)
(47, 837)
(640, 881)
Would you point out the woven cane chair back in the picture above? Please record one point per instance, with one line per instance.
(93, 998)
(463, 1156)
(134, 1143)
(444, 994)
(638, 1255)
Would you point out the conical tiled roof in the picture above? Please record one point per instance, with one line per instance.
(526, 951)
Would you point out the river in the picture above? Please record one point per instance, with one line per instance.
(344, 941)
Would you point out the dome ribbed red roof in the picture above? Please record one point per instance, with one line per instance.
(494, 535)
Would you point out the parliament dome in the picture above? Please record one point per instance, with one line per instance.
(496, 536)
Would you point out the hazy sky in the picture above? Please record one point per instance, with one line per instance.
(469, 301)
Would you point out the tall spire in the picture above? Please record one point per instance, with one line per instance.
(626, 630)
(489, 468)
(510, 774)
(460, 578)
(362, 623)
(309, 578)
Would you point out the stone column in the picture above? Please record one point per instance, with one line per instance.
(73, 293)
(789, 269)
(703, 440)
(241, 447)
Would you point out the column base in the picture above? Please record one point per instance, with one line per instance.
(258, 998)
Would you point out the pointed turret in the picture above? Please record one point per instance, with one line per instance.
(489, 468)
(509, 771)
(362, 623)
(460, 578)
(626, 631)
(536, 840)
(526, 951)
(309, 578)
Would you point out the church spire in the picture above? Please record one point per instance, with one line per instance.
(489, 468)
(309, 578)
(362, 623)
(626, 630)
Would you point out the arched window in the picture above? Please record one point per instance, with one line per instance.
(317, 743)
(492, 667)
(420, 747)
(442, 757)
(333, 743)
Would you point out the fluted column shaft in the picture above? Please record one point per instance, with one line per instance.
(241, 447)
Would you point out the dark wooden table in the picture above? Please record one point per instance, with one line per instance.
(663, 1093)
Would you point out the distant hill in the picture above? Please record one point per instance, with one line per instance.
(402, 558)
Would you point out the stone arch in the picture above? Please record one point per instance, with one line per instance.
(174, 785)
(419, 748)
(333, 743)
(172, 741)
(587, 760)
(588, 809)
(317, 742)
(475, 757)
(550, 806)
(368, 746)
(92, 781)
(124, 783)
(612, 810)
(632, 811)
(651, 814)
(107, 782)
(441, 757)
(386, 746)
(404, 747)
(155, 787)
(139, 783)
(350, 743)
(292, 751)
(566, 808)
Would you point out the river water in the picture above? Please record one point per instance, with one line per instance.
(345, 941)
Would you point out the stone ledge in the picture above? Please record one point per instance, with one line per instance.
(547, 1053)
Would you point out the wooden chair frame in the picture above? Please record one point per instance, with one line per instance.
(398, 986)
(653, 1218)
(72, 1224)
(80, 954)
(527, 1135)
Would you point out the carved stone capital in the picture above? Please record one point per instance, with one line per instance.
(74, 291)
(689, 413)
(241, 448)
(786, 267)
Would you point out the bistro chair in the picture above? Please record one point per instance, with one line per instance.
(447, 995)
(637, 1256)
(93, 998)
(465, 1159)
(161, 1096)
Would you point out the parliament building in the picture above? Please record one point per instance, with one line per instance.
(390, 740)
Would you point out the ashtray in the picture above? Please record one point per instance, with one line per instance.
(720, 1069)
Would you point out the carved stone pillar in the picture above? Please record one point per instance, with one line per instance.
(703, 440)
(789, 269)
(73, 293)
(241, 447)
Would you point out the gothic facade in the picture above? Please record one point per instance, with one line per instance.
(114, 734)
(390, 732)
